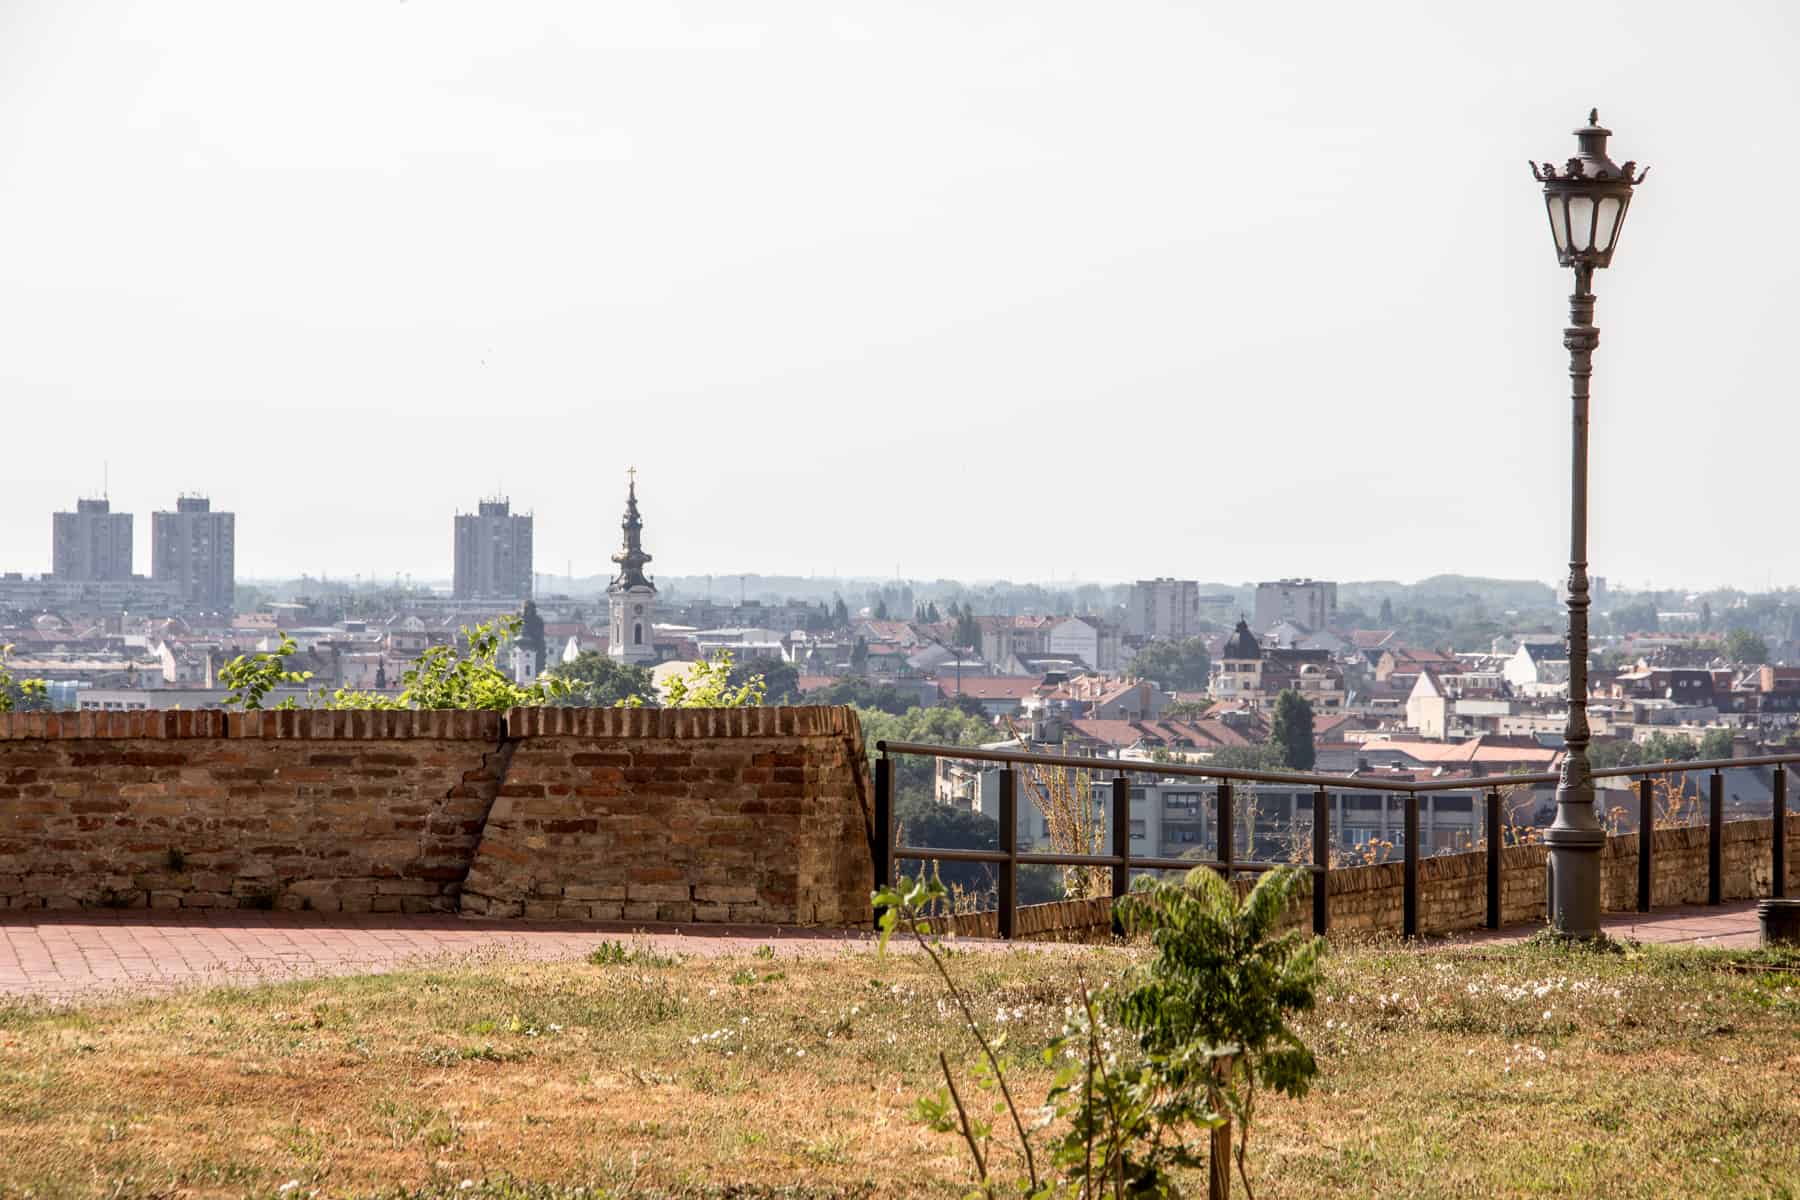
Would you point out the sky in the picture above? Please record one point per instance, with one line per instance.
(1032, 290)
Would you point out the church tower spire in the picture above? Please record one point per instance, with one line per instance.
(631, 557)
(632, 595)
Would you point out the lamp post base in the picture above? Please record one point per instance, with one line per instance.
(1574, 899)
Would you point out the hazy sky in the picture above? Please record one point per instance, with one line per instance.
(1092, 290)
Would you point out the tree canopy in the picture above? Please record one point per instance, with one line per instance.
(1743, 646)
(858, 692)
(1174, 666)
(1291, 730)
(781, 679)
(598, 681)
(1263, 757)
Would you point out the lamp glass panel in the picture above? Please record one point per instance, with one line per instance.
(1558, 229)
(1581, 223)
(1612, 208)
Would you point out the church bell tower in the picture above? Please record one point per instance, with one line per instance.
(631, 594)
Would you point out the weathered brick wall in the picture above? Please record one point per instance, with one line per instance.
(1453, 887)
(359, 812)
(692, 815)
(749, 815)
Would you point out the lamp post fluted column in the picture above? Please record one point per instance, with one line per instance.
(1575, 839)
(1586, 200)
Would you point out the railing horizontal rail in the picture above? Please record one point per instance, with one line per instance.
(1031, 858)
(1701, 764)
(1313, 779)
(1194, 771)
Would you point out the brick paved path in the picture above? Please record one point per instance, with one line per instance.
(63, 956)
(1733, 925)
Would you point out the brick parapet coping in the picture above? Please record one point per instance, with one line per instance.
(382, 725)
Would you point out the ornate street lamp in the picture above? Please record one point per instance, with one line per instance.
(1586, 201)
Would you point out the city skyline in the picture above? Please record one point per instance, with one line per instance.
(443, 573)
(842, 336)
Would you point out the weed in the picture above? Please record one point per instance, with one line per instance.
(617, 954)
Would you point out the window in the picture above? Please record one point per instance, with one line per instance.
(1137, 829)
(637, 634)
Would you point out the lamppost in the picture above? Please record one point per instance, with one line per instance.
(1586, 201)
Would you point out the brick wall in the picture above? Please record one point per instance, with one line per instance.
(749, 815)
(752, 814)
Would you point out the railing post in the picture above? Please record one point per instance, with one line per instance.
(1121, 839)
(884, 821)
(1778, 860)
(1646, 842)
(1227, 830)
(1493, 858)
(1715, 839)
(1321, 880)
(1009, 846)
(1409, 913)
(1121, 846)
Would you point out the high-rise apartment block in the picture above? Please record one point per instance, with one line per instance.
(91, 544)
(1163, 608)
(1309, 603)
(493, 553)
(195, 549)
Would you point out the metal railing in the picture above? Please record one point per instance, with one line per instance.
(1008, 857)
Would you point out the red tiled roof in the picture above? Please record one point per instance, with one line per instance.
(1475, 750)
(988, 687)
(1119, 734)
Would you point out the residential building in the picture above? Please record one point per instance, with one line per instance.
(1487, 755)
(632, 595)
(81, 597)
(1088, 639)
(1004, 639)
(195, 550)
(1453, 706)
(1311, 603)
(998, 695)
(1686, 686)
(1401, 665)
(93, 543)
(1167, 609)
(1538, 669)
(493, 553)
(1250, 672)
(1100, 697)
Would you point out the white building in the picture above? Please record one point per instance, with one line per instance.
(1089, 640)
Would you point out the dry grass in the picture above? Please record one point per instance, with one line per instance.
(1444, 1074)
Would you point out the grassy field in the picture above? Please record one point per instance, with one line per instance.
(1458, 1073)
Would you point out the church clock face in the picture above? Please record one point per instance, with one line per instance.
(637, 610)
